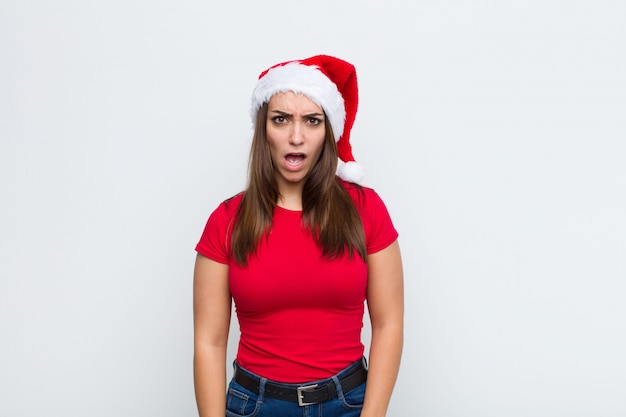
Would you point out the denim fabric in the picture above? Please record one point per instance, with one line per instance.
(241, 402)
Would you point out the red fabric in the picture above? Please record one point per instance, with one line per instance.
(300, 315)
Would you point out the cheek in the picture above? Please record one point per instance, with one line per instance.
(319, 144)
(273, 140)
(273, 150)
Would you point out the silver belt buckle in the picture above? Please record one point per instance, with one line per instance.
(300, 393)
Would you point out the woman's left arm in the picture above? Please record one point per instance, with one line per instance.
(385, 301)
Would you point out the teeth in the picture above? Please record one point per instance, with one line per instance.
(294, 159)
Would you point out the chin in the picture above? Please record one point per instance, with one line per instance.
(294, 178)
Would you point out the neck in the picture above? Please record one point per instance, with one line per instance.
(290, 196)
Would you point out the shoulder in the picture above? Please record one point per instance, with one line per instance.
(362, 196)
(229, 206)
(224, 214)
(214, 241)
(377, 224)
(232, 203)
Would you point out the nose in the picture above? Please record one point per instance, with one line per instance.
(297, 134)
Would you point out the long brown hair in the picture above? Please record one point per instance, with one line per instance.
(328, 211)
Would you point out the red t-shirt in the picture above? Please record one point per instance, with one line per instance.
(300, 315)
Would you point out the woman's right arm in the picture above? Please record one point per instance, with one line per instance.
(211, 311)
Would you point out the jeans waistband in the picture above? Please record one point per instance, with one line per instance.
(304, 393)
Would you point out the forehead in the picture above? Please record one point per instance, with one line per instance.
(293, 102)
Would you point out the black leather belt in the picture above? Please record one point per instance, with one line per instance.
(305, 394)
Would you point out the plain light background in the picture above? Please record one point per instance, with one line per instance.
(494, 130)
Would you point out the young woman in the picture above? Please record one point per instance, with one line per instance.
(299, 251)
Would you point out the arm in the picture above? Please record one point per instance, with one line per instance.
(385, 300)
(211, 310)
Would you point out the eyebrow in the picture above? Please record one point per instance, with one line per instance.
(285, 114)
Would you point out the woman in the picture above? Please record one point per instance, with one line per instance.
(299, 251)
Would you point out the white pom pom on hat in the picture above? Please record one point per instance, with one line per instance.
(331, 84)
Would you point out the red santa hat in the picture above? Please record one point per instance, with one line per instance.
(331, 84)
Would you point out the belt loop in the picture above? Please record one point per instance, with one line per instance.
(338, 387)
(262, 383)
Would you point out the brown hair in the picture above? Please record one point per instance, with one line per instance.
(328, 211)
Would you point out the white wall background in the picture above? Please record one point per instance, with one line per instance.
(494, 130)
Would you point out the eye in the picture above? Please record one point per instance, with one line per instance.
(314, 121)
(279, 120)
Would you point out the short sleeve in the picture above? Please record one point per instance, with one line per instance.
(379, 229)
(214, 241)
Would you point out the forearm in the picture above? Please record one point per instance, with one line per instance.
(210, 380)
(384, 362)
(212, 306)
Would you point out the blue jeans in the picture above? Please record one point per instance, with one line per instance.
(240, 402)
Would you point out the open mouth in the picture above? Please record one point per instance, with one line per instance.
(294, 159)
